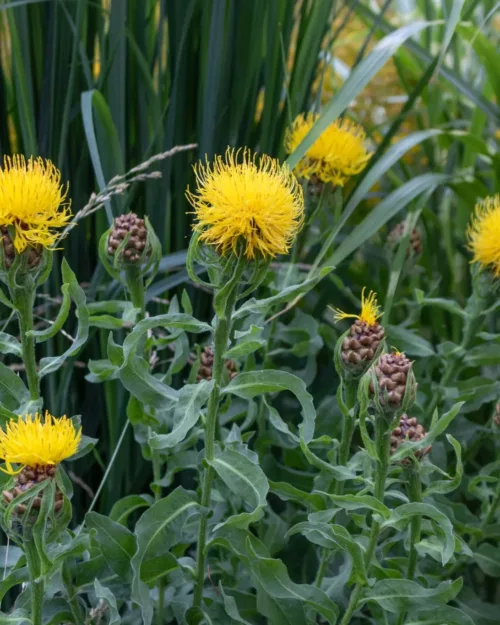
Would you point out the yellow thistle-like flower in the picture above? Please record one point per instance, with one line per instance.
(337, 154)
(32, 200)
(33, 443)
(484, 234)
(247, 203)
(369, 310)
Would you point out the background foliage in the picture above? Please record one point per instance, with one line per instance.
(100, 87)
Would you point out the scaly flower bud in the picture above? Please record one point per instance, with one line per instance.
(359, 346)
(26, 479)
(410, 430)
(131, 230)
(393, 385)
(415, 246)
(207, 362)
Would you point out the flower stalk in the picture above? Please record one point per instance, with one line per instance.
(36, 581)
(221, 338)
(23, 298)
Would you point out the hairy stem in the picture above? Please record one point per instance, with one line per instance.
(36, 584)
(135, 284)
(221, 337)
(382, 442)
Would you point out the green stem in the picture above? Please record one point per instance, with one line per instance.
(76, 609)
(23, 298)
(383, 445)
(415, 495)
(344, 450)
(135, 284)
(221, 337)
(36, 584)
(157, 466)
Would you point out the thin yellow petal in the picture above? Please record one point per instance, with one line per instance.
(484, 234)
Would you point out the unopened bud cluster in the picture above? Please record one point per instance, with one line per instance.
(361, 343)
(396, 234)
(9, 253)
(393, 384)
(134, 228)
(410, 430)
(27, 478)
(205, 369)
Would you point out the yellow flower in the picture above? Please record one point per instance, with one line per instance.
(33, 443)
(369, 310)
(338, 153)
(247, 203)
(32, 200)
(484, 234)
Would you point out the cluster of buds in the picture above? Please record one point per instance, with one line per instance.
(207, 362)
(361, 344)
(26, 479)
(392, 383)
(129, 239)
(410, 430)
(9, 252)
(396, 235)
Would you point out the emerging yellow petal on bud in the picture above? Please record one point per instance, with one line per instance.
(32, 200)
(369, 310)
(336, 155)
(249, 204)
(484, 234)
(35, 443)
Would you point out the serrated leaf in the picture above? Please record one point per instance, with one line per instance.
(252, 383)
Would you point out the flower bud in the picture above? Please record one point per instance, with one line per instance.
(392, 385)
(26, 479)
(409, 430)
(357, 348)
(396, 234)
(33, 253)
(205, 368)
(128, 240)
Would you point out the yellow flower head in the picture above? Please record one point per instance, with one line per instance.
(32, 200)
(249, 203)
(484, 234)
(31, 442)
(369, 310)
(338, 153)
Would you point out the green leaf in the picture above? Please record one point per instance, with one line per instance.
(409, 510)
(231, 607)
(247, 343)
(252, 383)
(17, 617)
(262, 306)
(487, 557)
(109, 599)
(355, 502)
(117, 543)
(273, 577)
(191, 399)
(13, 392)
(335, 537)
(287, 492)
(447, 486)
(400, 595)
(158, 529)
(450, 305)
(338, 472)
(409, 342)
(242, 476)
(60, 320)
(123, 508)
(442, 615)
(10, 345)
(50, 364)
